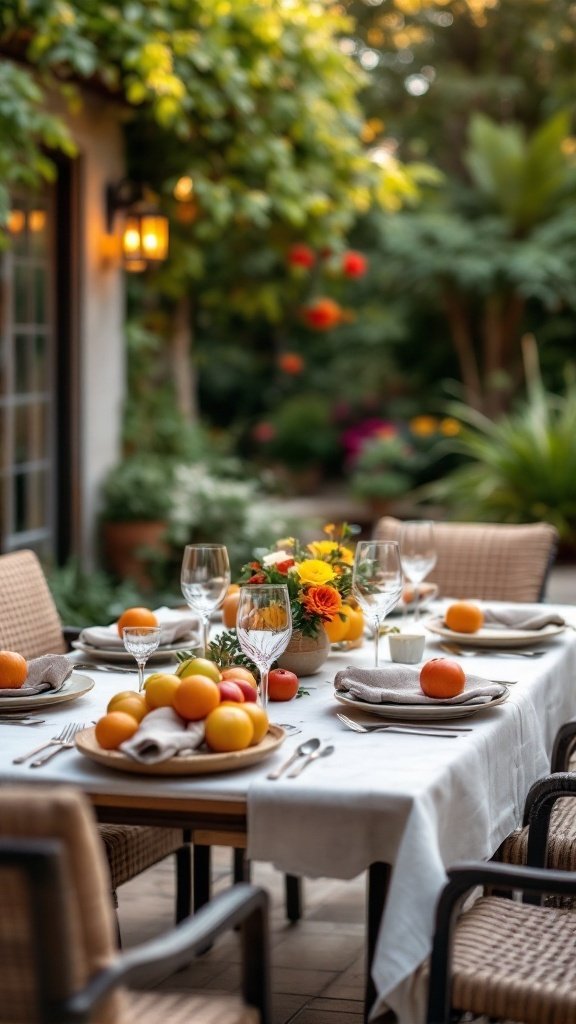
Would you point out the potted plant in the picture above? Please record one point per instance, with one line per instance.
(137, 498)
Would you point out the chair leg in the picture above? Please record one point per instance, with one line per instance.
(242, 869)
(183, 881)
(293, 895)
(201, 873)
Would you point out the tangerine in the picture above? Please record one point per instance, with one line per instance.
(228, 728)
(196, 697)
(136, 617)
(230, 608)
(13, 670)
(130, 702)
(442, 678)
(337, 629)
(159, 690)
(464, 617)
(114, 728)
(259, 720)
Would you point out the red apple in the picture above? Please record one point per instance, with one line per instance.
(237, 672)
(230, 691)
(282, 684)
(250, 692)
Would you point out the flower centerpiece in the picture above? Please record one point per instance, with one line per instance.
(318, 576)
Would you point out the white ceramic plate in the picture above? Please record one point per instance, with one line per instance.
(196, 764)
(421, 712)
(494, 637)
(117, 654)
(74, 687)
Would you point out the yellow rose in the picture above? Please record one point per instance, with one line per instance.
(313, 570)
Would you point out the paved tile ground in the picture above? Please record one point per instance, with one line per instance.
(318, 962)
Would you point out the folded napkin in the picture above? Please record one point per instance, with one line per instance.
(162, 735)
(48, 672)
(400, 684)
(174, 626)
(521, 618)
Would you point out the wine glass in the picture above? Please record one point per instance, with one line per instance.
(417, 553)
(204, 579)
(377, 582)
(141, 642)
(263, 627)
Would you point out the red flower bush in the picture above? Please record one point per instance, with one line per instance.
(354, 264)
(291, 363)
(322, 314)
(301, 256)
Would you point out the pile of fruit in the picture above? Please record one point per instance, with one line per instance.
(224, 701)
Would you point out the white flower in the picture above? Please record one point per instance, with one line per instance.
(276, 556)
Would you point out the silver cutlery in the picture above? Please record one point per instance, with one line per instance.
(21, 720)
(407, 729)
(323, 752)
(66, 733)
(303, 750)
(472, 652)
(380, 726)
(102, 668)
(66, 744)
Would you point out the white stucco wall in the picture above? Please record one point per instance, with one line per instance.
(97, 132)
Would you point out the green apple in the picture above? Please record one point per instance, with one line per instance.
(199, 667)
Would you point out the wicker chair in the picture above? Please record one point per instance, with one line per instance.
(58, 962)
(487, 561)
(507, 960)
(29, 624)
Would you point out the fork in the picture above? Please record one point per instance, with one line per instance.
(440, 732)
(64, 744)
(473, 652)
(66, 733)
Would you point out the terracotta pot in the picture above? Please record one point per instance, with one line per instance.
(127, 548)
(305, 655)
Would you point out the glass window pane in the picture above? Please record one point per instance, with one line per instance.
(36, 500)
(40, 283)
(20, 294)
(40, 377)
(21, 364)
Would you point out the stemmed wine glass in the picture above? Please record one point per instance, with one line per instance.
(204, 579)
(417, 553)
(263, 627)
(377, 582)
(141, 642)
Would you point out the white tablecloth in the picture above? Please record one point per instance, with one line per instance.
(416, 802)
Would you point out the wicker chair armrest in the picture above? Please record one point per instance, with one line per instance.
(564, 744)
(243, 904)
(461, 879)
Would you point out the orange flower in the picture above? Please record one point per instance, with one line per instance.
(323, 601)
(291, 363)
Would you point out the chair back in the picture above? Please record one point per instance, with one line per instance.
(488, 561)
(56, 926)
(29, 621)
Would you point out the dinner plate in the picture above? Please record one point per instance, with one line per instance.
(494, 637)
(187, 764)
(75, 686)
(118, 654)
(421, 712)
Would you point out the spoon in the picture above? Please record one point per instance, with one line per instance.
(306, 749)
(325, 752)
(488, 651)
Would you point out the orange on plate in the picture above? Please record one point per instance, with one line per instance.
(13, 670)
(464, 617)
(196, 697)
(159, 690)
(228, 728)
(114, 728)
(259, 720)
(131, 703)
(442, 678)
(136, 617)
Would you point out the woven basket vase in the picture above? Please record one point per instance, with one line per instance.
(305, 655)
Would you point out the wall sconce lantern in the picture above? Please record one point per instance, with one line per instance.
(145, 235)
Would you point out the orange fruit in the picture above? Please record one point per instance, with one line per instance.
(198, 667)
(236, 672)
(355, 623)
(13, 670)
(228, 728)
(131, 703)
(233, 588)
(159, 690)
(259, 721)
(114, 728)
(464, 617)
(230, 608)
(196, 697)
(136, 617)
(337, 629)
(442, 678)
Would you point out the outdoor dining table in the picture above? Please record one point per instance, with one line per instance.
(401, 807)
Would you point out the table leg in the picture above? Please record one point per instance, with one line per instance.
(378, 881)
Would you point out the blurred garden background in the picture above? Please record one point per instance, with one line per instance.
(370, 290)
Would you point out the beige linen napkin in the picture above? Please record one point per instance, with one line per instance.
(521, 618)
(400, 685)
(174, 626)
(49, 672)
(162, 735)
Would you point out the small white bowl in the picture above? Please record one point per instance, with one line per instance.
(406, 647)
